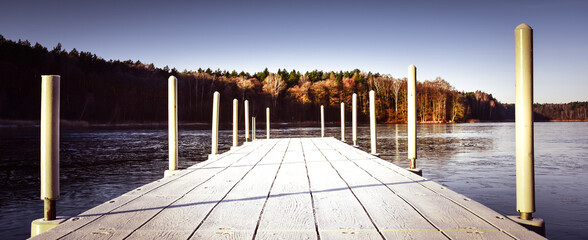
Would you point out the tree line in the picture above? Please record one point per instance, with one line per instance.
(100, 91)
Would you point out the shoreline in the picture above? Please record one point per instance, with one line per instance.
(10, 123)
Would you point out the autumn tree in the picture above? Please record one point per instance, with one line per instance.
(381, 85)
(245, 84)
(457, 109)
(438, 92)
(92, 91)
(396, 85)
(274, 85)
(300, 92)
(348, 89)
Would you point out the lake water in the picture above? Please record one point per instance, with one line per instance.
(477, 160)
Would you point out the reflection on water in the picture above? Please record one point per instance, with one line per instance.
(477, 160)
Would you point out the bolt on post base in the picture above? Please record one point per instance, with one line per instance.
(534, 224)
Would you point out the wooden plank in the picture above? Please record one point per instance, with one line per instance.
(295, 145)
(392, 215)
(121, 222)
(109, 224)
(486, 214)
(77, 222)
(157, 183)
(236, 216)
(198, 176)
(483, 212)
(482, 234)
(288, 210)
(181, 218)
(267, 190)
(338, 212)
(352, 153)
(221, 161)
(450, 218)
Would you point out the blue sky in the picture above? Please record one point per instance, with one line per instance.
(468, 43)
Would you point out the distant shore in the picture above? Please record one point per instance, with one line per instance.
(10, 123)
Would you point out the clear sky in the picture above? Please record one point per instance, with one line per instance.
(468, 43)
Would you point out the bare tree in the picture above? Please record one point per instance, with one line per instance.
(396, 85)
(274, 85)
(379, 83)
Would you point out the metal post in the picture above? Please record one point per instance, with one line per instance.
(172, 123)
(412, 133)
(411, 92)
(247, 121)
(525, 174)
(49, 155)
(373, 121)
(322, 121)
(342, 122)
(215, 122)
(396, 143)
(50, 144)
(253, 128)
(524, 121)
(50, 209)
(354, 118)
(235, 122)
(267, 122)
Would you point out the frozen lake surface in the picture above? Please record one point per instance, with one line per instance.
(477, 160)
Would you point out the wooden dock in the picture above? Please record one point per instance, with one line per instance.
(292, 188)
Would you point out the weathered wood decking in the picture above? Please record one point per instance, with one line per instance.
(305, 188)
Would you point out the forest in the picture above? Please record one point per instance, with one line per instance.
(95, 90)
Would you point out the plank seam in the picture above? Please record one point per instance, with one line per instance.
(459, 204)
(352, 192)
(122, 205)
(440, 194)
(187, 171)
(403, 199)
(231, 189)
(189, 191)
(311, 194)
(270, 191)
